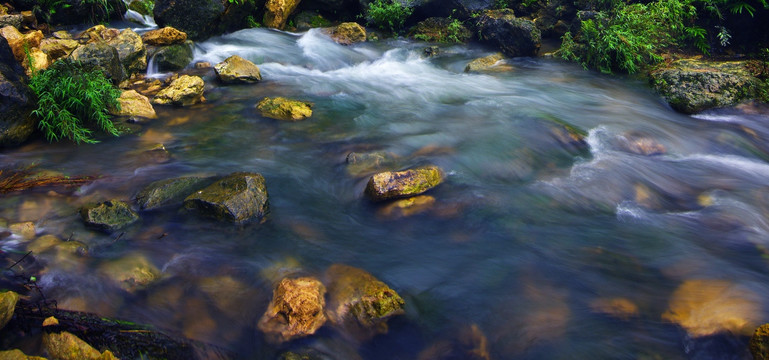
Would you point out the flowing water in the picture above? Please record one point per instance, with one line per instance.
(551, 248)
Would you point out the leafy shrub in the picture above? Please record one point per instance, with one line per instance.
(69, 96)
(630, 38)
(390, 15)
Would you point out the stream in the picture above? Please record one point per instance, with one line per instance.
(551, 248)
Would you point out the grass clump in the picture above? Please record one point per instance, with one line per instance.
(387, 14)
(70, 97)
(630, 37)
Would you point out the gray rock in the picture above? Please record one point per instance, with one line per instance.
(513, 36)
(238, 197)
(102, 56)
(169, 192)
(16, 104)
(201, 19)
(108, 216)
(11, 20)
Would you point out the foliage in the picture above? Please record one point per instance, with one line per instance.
(144, 7)
(390, 15)
(251, 22)
(99, 9)
(500, 4)
(69, 96)
(454, 30)
(319, 21)
(632, 38)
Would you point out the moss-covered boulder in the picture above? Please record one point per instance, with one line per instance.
(134, 105)
(58, 48)
(276, 12)
(759, 343)
(438, 29)
(17, 354)
(165, 36)
(238, 197)
(359, 303)
(513, 36)
(172, 57)
(184, 91)
(402, 184)
(168, 192)
(108, 216)
(8, 301)
(296, 310)
(486, 63)
(66, 346)
(236, 69)
(102, 56)
(131, 51)
(692, 86)
(347, 33)
(131, 272)
(16, 102)
(284, 109)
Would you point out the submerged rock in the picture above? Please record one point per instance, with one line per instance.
(470, 344)
(8, 301)
(284, 109)
(691, 86)
(641, 144)
(620, 308)
(133, 104)
(759, 343)
(360, 303)
(184, 91)
(708, 307)
(66, 346)
(401, 184)
(347, 33)
(362, 163)
(170, 191)
(238, 197)
(164, 36)
(296, 310)
(407, 207)
(131, 272)
(276, 12)
(236, 69)
(485, 63)
(108, 216)
(513, 36)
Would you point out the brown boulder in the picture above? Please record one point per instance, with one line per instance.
(18, 41)
(133, 104)
(236, 69)
(296, 309)
(347, 33)
(184, 91)
(164, 36)
(276, 12)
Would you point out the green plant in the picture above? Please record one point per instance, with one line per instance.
(99, 9)
(631, 37)
(500, 4)
(251, 22)
(454, 30)
(69, 96)
(390, 15)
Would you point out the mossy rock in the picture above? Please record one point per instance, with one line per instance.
(102, 56)
(238, 197)
(185, 91)
(8, 301)
(108, 216)
(284, 109)
(360, 303)
(513, 36)
(296, 310)
(169, 191)
(131, 272)
(173, 57)
(66, 346)
(401, 184)
(759, 343)
(17, 354)
(347, 33)
(485, 63)
(436, 29)
(691, 86)
(236, 69)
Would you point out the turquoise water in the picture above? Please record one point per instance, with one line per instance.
(528, 236)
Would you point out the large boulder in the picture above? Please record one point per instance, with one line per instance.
(19, 42)
(16, 100)
(296, 310)
(513, 36)
(201, 19)
(58, 48)
(8, 301)
(135, 106)
(172, 57)
(101, 56)
(691, 86)
(131, 51)
(485, 63)
(402, 184)
(66, 346)
(359, 303)
(238, 197)
(236, 69)
(281, 108)
(169, 191)
(164, 36)
(276, 12)
(108, 216)
(347, 33)
(184, 91)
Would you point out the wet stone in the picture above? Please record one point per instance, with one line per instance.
(132, 272)
(236, 69)
(26, 229)
(238, 197)
(296, 310)
(66, 346)
(8, 301)
(108, 216)
(363, 163)
(402, 184)
(168, 192)
(284, 109)
(17, 354)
